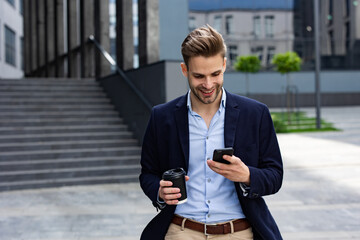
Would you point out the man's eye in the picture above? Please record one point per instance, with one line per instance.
(198, 76)
(216, 74)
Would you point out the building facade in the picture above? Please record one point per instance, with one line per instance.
(11, 39)
(168, 21)
(248, 27)
(339, 30)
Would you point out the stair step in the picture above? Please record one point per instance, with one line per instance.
(41, 137)
(50, 115)
(45, 101)
(55, 107)
(62, 129)
(68, 163)
(30, 146)
(62, 122)
(49, 81)
(61, 132)
(69, 153)
(49, 88)
(133, 157)
(45, 119)
(34, 184)
(68, 173)
(52, 94)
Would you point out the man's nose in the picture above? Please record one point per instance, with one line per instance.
(207, 82)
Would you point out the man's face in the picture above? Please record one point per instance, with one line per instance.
(206, 77)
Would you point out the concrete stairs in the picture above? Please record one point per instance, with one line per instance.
(60, 132)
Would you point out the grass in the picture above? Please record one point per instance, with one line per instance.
(298, 122)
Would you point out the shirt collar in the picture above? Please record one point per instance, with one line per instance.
(222, 104)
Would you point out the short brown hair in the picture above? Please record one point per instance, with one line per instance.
(204, 41)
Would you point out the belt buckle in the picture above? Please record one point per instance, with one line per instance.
(205, 228)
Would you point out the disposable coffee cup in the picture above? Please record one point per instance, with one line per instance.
(177, 177)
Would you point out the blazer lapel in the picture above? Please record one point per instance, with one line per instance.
(182, 124)
(231, 117)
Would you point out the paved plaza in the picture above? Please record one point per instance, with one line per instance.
(320, 197)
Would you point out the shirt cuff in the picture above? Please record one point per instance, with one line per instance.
(160, 204)
(245, 189)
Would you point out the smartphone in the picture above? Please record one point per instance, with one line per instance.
(219, 153)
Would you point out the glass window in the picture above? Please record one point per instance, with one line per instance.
(192, 23)
(12, 2)
(258, 51)
(229, 25)
(232, 54)
(332, 42)
(331, 12)
(10, 49)
(22, 52)
(21, 7)
(270, 55)
(257, 26)
(269, 26)
(347, 8)
(217, 23)
(347, 34)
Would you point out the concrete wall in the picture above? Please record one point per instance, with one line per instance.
(337, 87)
(173, 15)
(163, 81)
(273, 83)
(176, 84)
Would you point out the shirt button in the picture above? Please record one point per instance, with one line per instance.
(207, 137)
(209, 180)
(208, 215)
(208, 201)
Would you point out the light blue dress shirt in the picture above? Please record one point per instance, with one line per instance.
(211, 197)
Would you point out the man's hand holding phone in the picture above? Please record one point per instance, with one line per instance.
(228, 166)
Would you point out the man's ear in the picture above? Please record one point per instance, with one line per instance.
(224, 65)
(184, 69)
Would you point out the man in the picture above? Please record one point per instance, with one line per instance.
(224, 201)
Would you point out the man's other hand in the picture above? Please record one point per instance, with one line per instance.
(169, 194)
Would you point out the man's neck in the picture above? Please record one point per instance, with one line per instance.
(206, 111)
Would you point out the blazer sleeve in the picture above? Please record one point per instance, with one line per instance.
(150, 175)
(266, 178)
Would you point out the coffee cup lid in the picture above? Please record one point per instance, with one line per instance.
(176, 172)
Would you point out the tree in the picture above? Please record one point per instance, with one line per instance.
(247, 64)
(285, 64)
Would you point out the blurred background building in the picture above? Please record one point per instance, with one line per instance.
(262, 28)
(78, 78)
(53, 40)
(11, 39)
(339, 29)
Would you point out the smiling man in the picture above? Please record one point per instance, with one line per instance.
(224, 201)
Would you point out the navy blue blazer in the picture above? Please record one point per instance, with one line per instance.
(248, 129)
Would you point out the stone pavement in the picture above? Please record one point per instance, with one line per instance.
(320, 197)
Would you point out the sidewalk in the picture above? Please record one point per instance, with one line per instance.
(320, 197)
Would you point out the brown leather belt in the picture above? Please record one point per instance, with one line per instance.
(225, 228)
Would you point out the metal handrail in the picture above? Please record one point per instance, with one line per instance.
(120, 71)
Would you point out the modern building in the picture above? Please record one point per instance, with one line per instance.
(339, 30)
(257, 27)
(11, 39)
(168, 27)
